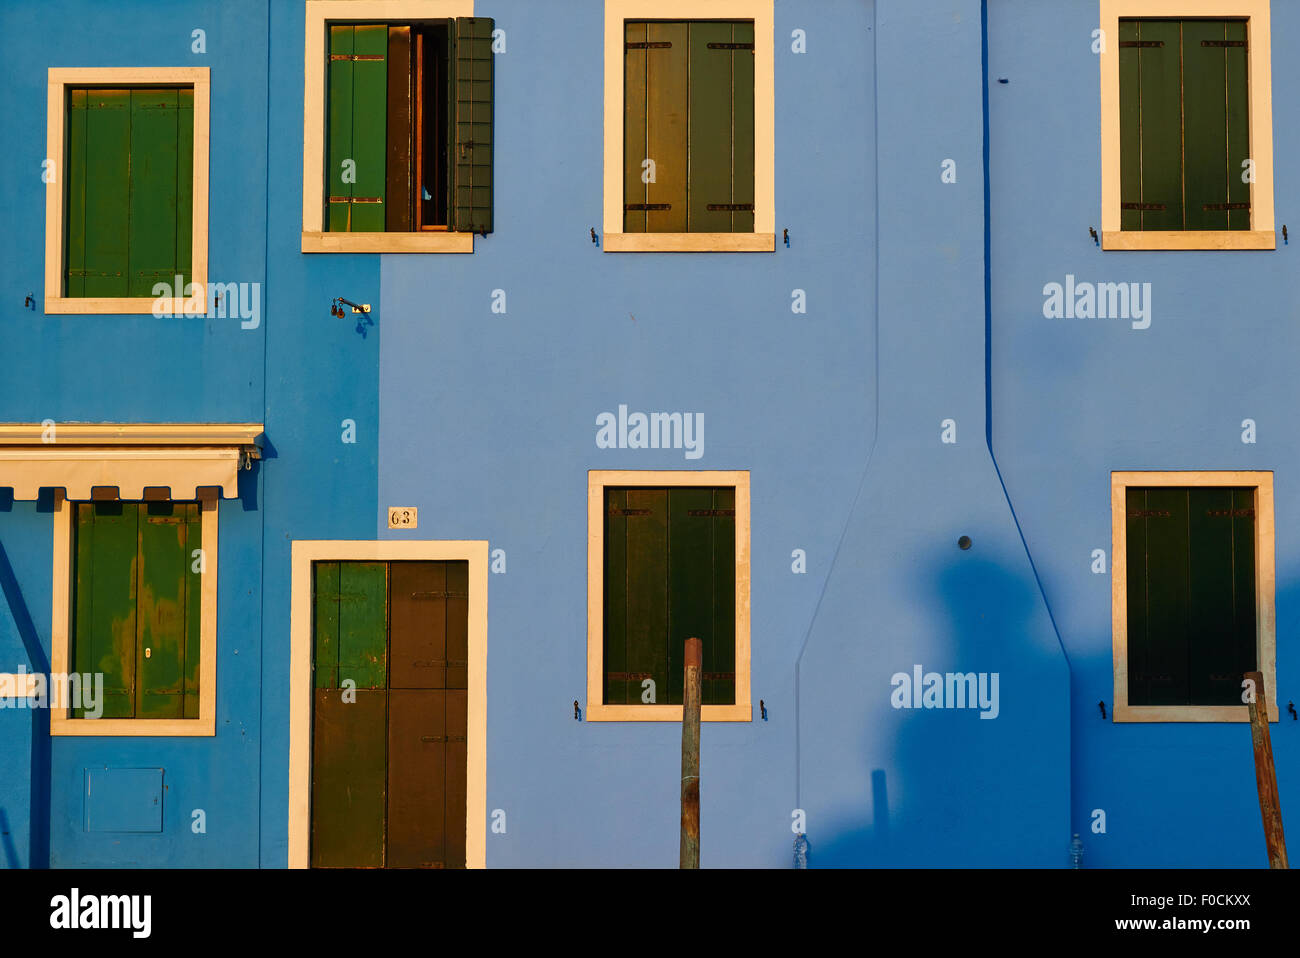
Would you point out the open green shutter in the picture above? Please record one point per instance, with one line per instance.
(471, 124)
(721, 188)
(104, 601)
(358, 93)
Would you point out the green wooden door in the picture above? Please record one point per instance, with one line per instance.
(389, 778)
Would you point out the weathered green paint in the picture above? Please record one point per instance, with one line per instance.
(369, 126)
(472, 122)
(137, 606)
(325, 608)
(1191, 594)
(162, 617)
(742, 127)
(363, 624)
(349, 789)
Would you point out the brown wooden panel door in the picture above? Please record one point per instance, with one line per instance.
(418, 625)
(417, 778)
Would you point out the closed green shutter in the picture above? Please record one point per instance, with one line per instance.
(721, 189)
(669, 575)
(156, 174)
(1183, 125)
(688, 92)
(104, 600)
(130, 184)
(471, 122)
(358, 94)
(138, 604)
(1191, 594)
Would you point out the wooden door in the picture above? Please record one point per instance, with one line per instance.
(390, 714)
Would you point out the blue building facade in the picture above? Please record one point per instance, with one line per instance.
(885, 374)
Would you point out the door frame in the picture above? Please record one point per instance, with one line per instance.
(304, 553)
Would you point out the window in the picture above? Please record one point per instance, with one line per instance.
(137, 604)
(1186, 125)
(399, 121)
(126, 206)
(1193, 605)
(668, 560)
(134, 573)
(688, 126)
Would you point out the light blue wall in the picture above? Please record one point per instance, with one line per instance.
(1074, 399)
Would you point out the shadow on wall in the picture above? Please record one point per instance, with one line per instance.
(947, 786)
(39, 856)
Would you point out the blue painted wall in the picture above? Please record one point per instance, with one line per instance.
(924, 304)
(1074, 399)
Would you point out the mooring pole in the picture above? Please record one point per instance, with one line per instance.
(1265, 776)
(690, 850)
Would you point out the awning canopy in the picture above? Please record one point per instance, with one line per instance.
(128, 457)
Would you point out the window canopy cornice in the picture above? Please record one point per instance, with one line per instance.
(129, 457)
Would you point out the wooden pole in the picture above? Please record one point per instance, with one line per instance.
(1265, 776)
(690, 846)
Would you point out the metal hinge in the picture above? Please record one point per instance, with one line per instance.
(1219, 207)
(646, 207)
(731, 46)
(1143, 207)
(649, 45)
(731, 207)
(1223, 43)
(1142, 43)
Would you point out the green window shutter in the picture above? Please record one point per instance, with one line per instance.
(363, 624)
(104, 601)
(1184, 124)
(130, 170)
(721, 127)
(669, 575)
(155, 208)
(471, 124)
(667, 125)
(98, 182)
(1191, 594)
(358, 94)
(167, 610)
(1215, 120)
